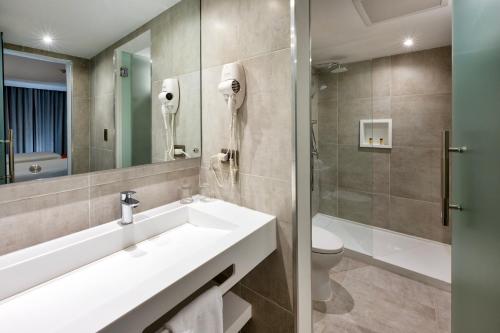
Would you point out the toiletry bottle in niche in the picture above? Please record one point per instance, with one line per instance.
(370, 141)
(381, 141)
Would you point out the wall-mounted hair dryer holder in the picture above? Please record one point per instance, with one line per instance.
(227, 154)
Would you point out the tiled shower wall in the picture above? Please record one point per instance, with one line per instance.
(257, 34)
(175, 52)
(80, 120)
(398, 188)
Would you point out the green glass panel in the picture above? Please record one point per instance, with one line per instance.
(141, 110)
(3, 167)
(476, 173)
(126, 111)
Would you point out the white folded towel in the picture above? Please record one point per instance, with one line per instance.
(203, 315)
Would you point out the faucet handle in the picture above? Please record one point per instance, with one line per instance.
(126, 195)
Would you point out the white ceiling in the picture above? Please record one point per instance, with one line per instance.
(339, 33)
(32, 70)
(79, 28)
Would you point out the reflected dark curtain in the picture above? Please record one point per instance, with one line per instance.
(38, 118)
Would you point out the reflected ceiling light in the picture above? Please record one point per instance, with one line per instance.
(408, 42)
(47, 39)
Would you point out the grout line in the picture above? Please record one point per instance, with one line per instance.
(259, 55)
(206, 168)
(266, 298)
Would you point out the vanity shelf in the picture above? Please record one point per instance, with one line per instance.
(375, 133)
(237, 312)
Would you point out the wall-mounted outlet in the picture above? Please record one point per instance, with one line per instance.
(181, 147)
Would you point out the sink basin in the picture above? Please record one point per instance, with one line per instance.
(122, 278)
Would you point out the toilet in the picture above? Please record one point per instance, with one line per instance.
(327, 251)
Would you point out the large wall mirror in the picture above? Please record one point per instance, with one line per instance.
(99, 88)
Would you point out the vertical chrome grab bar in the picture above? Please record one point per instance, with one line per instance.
(445, 178)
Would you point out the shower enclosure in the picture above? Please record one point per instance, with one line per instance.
(377, 156)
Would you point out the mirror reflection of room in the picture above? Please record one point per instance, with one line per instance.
(105, 102)
(36, 116)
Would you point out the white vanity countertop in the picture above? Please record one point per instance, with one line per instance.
(91, 297)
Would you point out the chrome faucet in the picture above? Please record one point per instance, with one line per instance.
(128, 204)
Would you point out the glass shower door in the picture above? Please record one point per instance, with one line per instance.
(343, 186)
(476, 173)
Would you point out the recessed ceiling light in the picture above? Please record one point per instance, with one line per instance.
(408, 42)
(47, 39)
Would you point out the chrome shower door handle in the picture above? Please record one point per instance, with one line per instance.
(445, 178)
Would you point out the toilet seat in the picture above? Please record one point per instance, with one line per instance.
(326, 242)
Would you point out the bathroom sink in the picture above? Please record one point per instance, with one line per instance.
(122, 278)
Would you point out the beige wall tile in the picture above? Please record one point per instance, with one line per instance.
(81, 80)
(355, 168)
(80, 160)
(267, 195)
(418, 218)
(328, 198)
(26, 190)
(102, 73)
(327, 165)
(220, 33)
(418, 121)
(175, 40)
(381, 208)
(103, 118)
(327, 121)
(101, 159)
(316, 191)
(356, 82)
(381, 170)
(416, 173)
(34, 220)
(227, 191)
(264, 26)
(80, 119)
(267, 316)
(355, 206)
(423, 72)
(350, 113)
(117, 175)
(265, 148)
(381, 76)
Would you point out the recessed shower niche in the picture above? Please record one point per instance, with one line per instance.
(375, 133)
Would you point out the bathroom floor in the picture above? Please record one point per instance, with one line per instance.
(369, 299)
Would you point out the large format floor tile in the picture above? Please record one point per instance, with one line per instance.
(369, 299)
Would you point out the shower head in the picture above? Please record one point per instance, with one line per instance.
(331, 67)
(339, 69)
